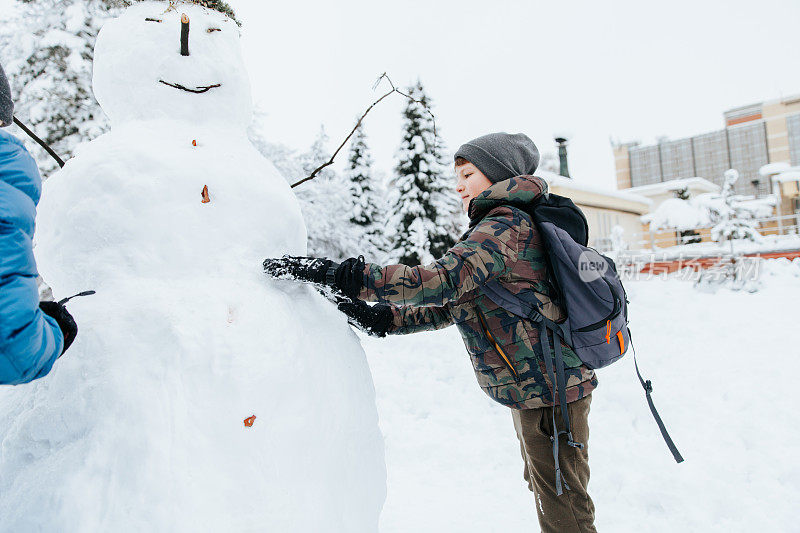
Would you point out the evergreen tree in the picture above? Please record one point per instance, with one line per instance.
(284, 158)
(733, 218)
(365, 213)
(47, 50)
(325, 201)
(326, 205)
(423, 206)
(682, 193)
(686, 236)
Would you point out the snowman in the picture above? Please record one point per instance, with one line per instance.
(199, 395)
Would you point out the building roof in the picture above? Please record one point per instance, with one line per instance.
(789, 174)
(584, 194)
(693, 184)
(773, 168)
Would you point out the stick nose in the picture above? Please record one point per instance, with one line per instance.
(184, 34)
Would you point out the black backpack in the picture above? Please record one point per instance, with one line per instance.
(590, 291)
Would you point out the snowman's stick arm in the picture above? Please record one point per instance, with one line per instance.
(40, 142)
(358, 123)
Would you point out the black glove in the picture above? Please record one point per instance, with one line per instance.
(65, 321)
(346, 278)
(349, 276)
(373, 320)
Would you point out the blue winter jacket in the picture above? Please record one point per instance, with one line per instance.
(30, 341)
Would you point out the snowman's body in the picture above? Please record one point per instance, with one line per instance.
(140, 425)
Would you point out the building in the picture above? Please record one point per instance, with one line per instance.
(603, 208)
(754, 136)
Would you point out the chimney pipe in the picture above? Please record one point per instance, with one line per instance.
(563, 169)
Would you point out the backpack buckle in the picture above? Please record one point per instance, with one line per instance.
(573, 443)
(648, 386)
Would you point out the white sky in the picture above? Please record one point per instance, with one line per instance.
(628, 69)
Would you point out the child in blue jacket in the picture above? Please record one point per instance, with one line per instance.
(32, 335)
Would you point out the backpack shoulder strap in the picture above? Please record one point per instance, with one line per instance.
(510, 301)
(648, 390)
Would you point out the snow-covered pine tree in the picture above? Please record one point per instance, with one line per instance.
(326, 204)
(450, 219)
(284, 158)
(325, 201)
(366, 213)
(682, 193)
(421, 210)
(47, 51)
(686, 236)
(733, 219)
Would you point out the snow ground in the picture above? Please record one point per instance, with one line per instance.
(717, 363)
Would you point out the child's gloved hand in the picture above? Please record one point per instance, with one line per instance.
(347, 277)
(65, 321)
(373, 320)
(310, 269)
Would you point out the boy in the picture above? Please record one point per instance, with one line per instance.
(32, 334)
(495, 184)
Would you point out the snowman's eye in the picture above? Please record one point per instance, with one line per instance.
(152, 20)
(212, 30)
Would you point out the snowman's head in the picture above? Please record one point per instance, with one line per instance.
(146, 68)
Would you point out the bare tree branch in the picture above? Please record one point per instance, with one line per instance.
(358, 123)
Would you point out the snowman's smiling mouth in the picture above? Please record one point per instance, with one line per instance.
(197, 90)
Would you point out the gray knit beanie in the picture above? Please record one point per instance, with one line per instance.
(6, 104)
(501, 156)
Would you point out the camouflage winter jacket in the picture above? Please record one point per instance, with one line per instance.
(501, 244)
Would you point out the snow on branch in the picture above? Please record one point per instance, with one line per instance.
(361, 118)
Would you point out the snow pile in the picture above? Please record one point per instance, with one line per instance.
(777, 271)
(717, 363)
(140, 425)
(678, 214)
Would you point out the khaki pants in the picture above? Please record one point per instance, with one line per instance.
(573, 510)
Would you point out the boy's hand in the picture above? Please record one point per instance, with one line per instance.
(347, 277)
(65, 321)
(299, 268)
(373, 320)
